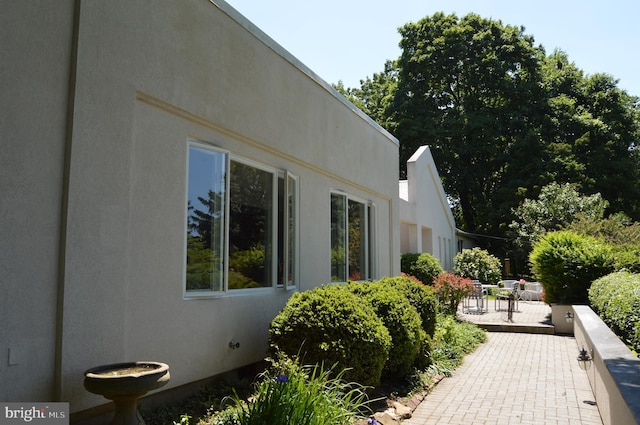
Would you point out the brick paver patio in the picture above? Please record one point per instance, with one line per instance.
(514, 378)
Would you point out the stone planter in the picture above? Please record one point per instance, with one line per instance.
(559, 320)
(124, 383)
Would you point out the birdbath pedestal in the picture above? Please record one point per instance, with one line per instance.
(124, 383)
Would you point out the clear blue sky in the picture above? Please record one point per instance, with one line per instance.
(349, 40)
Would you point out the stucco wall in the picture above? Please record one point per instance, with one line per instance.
(34, 75)
(149, 76)
(427, 222)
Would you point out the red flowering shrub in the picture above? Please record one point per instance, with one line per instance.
(451, 289)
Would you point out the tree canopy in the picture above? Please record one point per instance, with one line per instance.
(557, 207)
(503, 119)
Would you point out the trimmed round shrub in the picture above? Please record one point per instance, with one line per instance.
(616, 299)
(424, 267)
(478, 264)
(566, 264)
(422, 298)
(331, 325)
(401, 320)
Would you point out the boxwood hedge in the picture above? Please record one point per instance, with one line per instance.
(616, 299)
(422, 298)
(401, 320)
(424, 267)
(331, 325)
(368, 328)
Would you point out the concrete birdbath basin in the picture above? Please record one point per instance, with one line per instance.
(124, 383)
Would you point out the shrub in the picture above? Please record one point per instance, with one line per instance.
(401, 320)
(478, 264)
(452, 340)
(616, 298)
(566, 263)
(290, 394)
(424, 267)
(422, 298)
(451, 289)
(627, 258)
(332, 325)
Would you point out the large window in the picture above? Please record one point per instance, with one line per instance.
(352, 239)
(241, 224)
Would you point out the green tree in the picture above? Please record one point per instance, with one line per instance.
(557, 207)
(503, 119)
(470, 89)
(591, 131)
(375, 97)
(617, 229)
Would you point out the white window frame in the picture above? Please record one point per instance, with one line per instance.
(195, 294)
(370, 239)
(288, 284)
(291, 283)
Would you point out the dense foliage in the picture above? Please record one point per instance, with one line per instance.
(478, 264)
(616, 299)
(566, 264)
(451, 289)
(457, 78)
(503, 119)
(421, 297)
(368, 328)
(452, 340)
(618, 231)
(401, 320)
(332, 325)
(288, 393)
(423, 266)
(557, 206)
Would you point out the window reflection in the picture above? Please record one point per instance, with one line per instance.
(205, 222)
(241, 224)
(351, 241)
(250, 227)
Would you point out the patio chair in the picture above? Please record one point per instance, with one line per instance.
(533, 291)
(510, 287)
(477, 301)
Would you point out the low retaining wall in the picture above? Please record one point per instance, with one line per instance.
(614, 373)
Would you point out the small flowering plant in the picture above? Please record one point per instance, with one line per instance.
(522, 284)
(288, 393)
(451, 289)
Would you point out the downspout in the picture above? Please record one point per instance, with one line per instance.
(64, 206)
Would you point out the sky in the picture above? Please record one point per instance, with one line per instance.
(350, 40)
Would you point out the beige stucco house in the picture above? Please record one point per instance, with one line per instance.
(427, 223)
(169, 176)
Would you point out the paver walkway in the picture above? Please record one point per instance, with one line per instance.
(514, 378)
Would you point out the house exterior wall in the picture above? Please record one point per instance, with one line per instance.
(34, 76)
(94, 273)
(427, 224)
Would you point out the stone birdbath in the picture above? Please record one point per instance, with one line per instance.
(124, 383)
